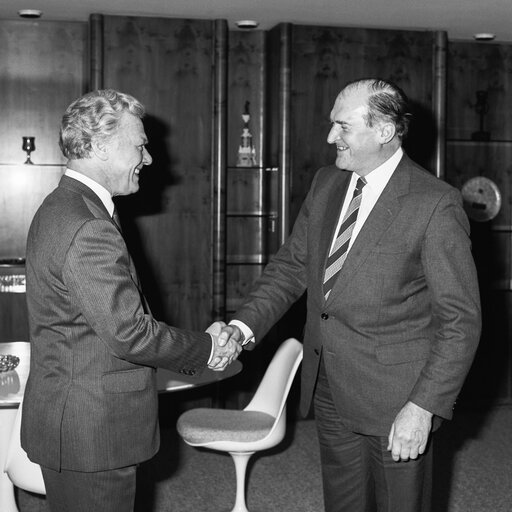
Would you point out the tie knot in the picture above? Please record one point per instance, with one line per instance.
(361, 182)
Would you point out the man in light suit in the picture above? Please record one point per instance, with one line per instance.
(393, 313)
(90, 406)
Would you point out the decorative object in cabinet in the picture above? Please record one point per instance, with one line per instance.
(482, 198)
(250, 224)
(246, 150)
(482, 108)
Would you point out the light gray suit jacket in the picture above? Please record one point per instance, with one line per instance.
(91, 399)
(402, 321)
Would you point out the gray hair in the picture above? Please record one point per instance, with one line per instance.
(94, 116)
(386, 102)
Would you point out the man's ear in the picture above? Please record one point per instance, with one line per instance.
(386, 132)
(100, 149)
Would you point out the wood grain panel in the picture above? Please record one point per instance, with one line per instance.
(41, 71)
(324, 59)
(22, 190)
(240, 279)
(166, 64)
(473, 67)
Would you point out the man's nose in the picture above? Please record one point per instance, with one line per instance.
(146, 157)
(333, 134)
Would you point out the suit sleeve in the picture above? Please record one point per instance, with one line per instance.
(99, 281)
(452, 282)
(283, 281)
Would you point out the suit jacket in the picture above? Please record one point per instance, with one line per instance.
(91, 399)
(402, 321)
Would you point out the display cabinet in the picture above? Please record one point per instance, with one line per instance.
(479, 160)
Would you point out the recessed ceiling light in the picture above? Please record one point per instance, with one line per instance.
(484, 36)
(246, 24)
(29, 13)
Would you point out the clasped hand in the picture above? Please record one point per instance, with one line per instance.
(226, 348)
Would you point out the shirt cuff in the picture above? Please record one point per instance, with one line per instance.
(247, 333)
(211, 351)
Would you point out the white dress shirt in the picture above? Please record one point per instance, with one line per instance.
(376, 181)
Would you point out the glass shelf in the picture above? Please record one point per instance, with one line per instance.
(469, 142)
(28, 166)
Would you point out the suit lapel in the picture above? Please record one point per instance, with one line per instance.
(381, 217)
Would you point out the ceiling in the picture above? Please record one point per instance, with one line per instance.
(460, 18)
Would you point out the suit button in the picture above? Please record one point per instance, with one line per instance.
(324, 316)
(316, 351)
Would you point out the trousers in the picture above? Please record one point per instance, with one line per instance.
(101, 491)
(358, 472)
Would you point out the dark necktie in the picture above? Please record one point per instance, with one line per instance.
(339, 250)
(117, 220)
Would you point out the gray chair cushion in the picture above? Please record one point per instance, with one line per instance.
(203, 425)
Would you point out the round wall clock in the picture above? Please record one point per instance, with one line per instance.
(482, 198)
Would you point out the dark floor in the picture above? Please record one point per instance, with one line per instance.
(473, 471)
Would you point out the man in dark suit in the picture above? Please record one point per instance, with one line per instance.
(393, 319)
(90, 405)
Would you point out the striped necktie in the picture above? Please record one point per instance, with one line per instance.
(339, 250)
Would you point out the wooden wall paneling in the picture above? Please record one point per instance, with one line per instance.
(22, 190)
(476, 67)
(167, 65)
(324, 59)
(42, 69)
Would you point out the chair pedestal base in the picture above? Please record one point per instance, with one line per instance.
(240, 459)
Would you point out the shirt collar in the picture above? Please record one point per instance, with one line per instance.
(98, 189)
(379, 177)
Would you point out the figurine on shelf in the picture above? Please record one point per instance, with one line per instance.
(246, 150)
(29, 145)
(481, 107)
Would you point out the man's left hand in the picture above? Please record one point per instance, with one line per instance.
(409, 433)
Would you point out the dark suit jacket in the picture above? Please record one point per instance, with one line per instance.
(402, 321)
(91, 400)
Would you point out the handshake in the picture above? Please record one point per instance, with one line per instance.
(227, 345)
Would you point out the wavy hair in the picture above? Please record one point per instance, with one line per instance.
(94, 116)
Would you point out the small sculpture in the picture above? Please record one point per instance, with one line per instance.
(246, 150)
(481, 107)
